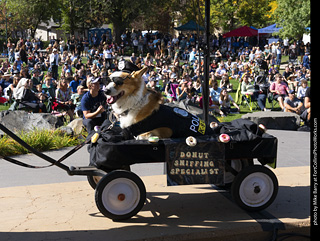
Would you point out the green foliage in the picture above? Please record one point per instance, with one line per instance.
(254, 13)
(28, 14)
(293, 16)
(41, 140)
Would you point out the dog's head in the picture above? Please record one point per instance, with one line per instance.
(124, 84)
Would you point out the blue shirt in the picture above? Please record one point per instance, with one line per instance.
(89, 103)
(214, 94)
(74, 85)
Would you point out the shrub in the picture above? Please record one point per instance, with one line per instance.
(41, 140)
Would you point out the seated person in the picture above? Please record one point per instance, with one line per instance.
(225, 83)
(307, 105)
(302, 89)
(293, 104)
(225, 101)
(74, 83)
(63, 98)
(247, 88)
(93, 105)
(27, 98)
(212, 106)
(279, 90)
(182, 91)
(76, 98)
(220, 71)
(215, 92)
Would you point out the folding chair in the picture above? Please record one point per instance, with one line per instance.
(272, 100)
(250, 103)
(240, 98)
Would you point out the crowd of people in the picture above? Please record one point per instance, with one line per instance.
(30, 76)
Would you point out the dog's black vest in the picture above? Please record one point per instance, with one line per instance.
(181, 122)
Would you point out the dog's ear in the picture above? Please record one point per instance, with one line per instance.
(139, 73)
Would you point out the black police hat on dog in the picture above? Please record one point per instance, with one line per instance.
(128, 67)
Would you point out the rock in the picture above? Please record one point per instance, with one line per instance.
(66, 130)
(20, 120)
(275, 119)
(76, 126)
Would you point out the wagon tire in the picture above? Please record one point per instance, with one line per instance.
(238, 165)
(93, 181)
(120, 195)
(254, 188)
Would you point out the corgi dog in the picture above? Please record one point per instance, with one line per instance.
(140, 110)
(132, 102)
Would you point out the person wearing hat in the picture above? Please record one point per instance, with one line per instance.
(170, 89)
(292, 83)
(293, 104)
(93, 105)
(220, 71)
(5, 81)
(54, 63)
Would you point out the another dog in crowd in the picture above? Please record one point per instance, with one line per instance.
(140, 110)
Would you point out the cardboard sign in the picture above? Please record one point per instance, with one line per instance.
(201, 164)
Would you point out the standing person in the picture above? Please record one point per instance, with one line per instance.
(85, 46)
(278, 51)
(54, 63)
(170, 88)
(93, 105)
(62, 45)
(72, 44)
(107, 53)
(135, 44)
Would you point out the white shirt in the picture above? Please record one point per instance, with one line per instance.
(107, 54)
(54, 58)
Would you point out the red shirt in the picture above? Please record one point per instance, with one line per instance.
(282, 88)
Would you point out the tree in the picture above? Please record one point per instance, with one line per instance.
(223, 14)
(160, 15)
(28, 14)
(293, 16)
(80, 15)
(254, 13)
(121, 13)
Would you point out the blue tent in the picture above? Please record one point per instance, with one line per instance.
(99, 32)
(270, 29)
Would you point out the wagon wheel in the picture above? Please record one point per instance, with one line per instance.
(93, 180)
(254, 188)
(120, 195)
(237, 165)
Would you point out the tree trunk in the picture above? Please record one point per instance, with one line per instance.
(119, 28)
